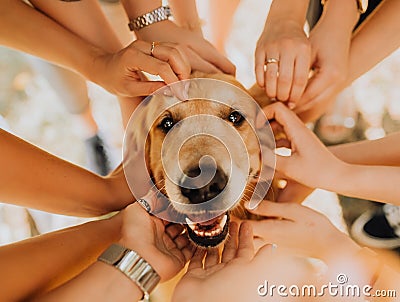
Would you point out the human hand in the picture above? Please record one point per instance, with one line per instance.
(293, 192)
(285, 41)
(301, 229)
(308, 154)
(206, 281)
(330, 46)
(203, 56)
(120, 73)
(161, 244)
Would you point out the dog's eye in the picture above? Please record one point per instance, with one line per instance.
(167, 123)
(236, 118)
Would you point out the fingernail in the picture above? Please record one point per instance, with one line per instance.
(291, 105)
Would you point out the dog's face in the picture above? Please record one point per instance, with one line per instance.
(205, 157)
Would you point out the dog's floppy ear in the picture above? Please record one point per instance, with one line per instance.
(259, 95)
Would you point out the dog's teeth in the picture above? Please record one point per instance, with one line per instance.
(223, 221)
(190, 224)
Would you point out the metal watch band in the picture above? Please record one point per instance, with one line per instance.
(133, 266)
(159, 14)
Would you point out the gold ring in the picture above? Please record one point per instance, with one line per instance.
(272, 60)
(153, 45)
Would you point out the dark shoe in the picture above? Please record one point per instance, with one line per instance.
(97, 156)
(378, 228)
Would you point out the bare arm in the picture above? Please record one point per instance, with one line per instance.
(283, 39)
(161, 246)
(379, 183)
(202, 54)
(34, 266)
(383, 152)
(34, 178)
(60, 47)
(186, 15)
(83, 18)
(376, 39)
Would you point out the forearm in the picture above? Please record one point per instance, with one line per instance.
(344, 10)
(375, 39)
(34, 178)
(288, 10)
(92, 25)
(136, 8)
(34, 266)
(185, 14)
(338, 32)
(100, 282)
(378, 183)
(383, 152)
(43, 37)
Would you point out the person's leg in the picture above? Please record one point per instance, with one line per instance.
(221, 15)
(72, 91)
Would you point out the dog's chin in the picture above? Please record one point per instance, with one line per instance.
(210, 233)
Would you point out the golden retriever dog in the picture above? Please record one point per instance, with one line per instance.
(201, 150)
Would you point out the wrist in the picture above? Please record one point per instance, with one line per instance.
(346, 10)
(336, 176)
(95, 66)
(118, 192)
(137, 8)
(345, 248)
(288, 10)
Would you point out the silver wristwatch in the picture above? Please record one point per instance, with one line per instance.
(133, 266)
(159, 14)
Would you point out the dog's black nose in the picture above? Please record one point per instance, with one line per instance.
(196, 191)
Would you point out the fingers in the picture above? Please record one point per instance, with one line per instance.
(246, 245)
(300, 78)
(260, 66)
(200, 64)
(265, 252)
(289, 211)
(188, 251)
(156, 67)
(212, 258)
(208, 52)
(168, 53)
(172, 54)
(271, 74)
(197, 259)
(173, 230)
(291, 124)
(269, 229)
(294, 192)
(181, 241)
(316, 85)
(285, 78)
(230, 247)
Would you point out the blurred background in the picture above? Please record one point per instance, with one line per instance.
(32, 107)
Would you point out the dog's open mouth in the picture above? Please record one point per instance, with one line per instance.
(208, 233)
